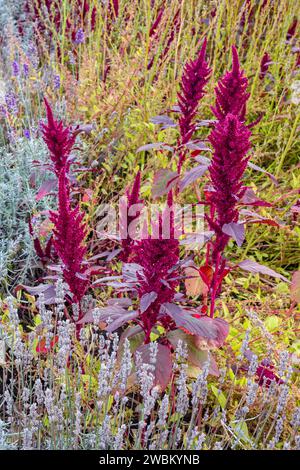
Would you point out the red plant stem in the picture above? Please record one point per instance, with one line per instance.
(147, 326)
(214, 285)
(181, 158)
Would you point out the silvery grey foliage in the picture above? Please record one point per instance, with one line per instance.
(115, 404)
(18, 189)
(5, 438)
(12, 15)
(151, 425)
(10, 10)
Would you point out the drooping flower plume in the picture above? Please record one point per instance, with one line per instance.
(231, 92)
(59, 140)
(195, 77)
(69, 234)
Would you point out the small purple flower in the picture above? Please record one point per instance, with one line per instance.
(26, 70)
(11, 102)
(79, 38)
(40, 127)
(15, 68)
(27, 133)
(56, 82)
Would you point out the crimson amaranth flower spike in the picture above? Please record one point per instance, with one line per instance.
(231, 92)
(195, 77)
(230, 140)
(59, 140)
(69, 234)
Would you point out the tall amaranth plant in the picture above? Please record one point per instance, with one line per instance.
(230, 141)
(59, 140)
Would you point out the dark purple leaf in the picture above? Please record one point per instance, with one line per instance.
(120, 321)
(147, 300)
(164, 180)
(85, 128)
(202, 160)
(155, 145)
(113, 254)
(163, 120)
(249, 198)
(254, 267)
(46, 188)
(49, 296)
(130, 271)
(196, 240)
(116, 314)
(221, 328)
(205, 123)
(163, 366)
(257, 168)
(48, 291)
(124, 302)
(254, 218)
(236, 231)
(205, 327)
(111, 312)
(103, 280)
(100, 255)
(197, 145)
(192, 175)
(35, 290)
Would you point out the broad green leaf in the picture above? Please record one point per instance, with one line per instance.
(273, 322)
(219, 396)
